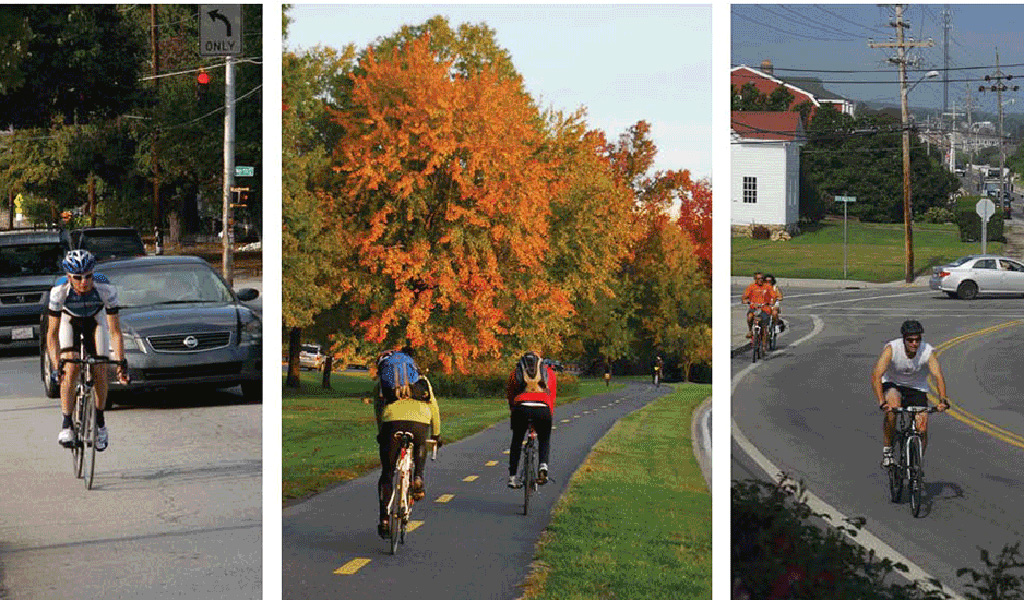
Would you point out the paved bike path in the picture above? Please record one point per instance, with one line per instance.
(478, 544)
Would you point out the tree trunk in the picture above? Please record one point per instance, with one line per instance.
(294, 345)
(686, 371)
(328, 365)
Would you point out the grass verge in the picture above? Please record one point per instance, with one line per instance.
(328, 435)
(636, 519)
(875, 252)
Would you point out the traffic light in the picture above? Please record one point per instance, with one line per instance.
(203, 81)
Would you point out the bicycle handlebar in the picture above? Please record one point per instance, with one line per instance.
(912, 409)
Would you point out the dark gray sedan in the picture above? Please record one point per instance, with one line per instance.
(182, 325)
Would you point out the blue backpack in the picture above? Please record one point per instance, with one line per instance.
(397, 372)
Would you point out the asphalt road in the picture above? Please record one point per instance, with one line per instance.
(809, 409)
(175, 510)
(473, 542)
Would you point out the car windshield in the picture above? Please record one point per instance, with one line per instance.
(311, 349)
(960, 261)
(166, 284)
(30, 259)
(107, 247)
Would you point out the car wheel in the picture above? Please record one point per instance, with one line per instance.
(252, 391)
(967, 290)
(52, 390)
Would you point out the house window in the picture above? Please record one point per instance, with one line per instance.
(750, 190)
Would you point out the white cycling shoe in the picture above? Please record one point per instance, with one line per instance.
(513, 482)
(66, 437)
(887, 458)
(101, 439)
(542, 474)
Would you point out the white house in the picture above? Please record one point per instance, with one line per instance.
(766, 170)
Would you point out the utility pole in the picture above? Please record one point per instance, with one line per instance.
(228, 265)
(947, 23)
(999, 87)
(156, 128)
(900, 60)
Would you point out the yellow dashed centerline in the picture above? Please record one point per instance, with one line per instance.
(413, 525)
(471, 478)
(504, 451)
(352, 566)
(492, 463)
(444, 498)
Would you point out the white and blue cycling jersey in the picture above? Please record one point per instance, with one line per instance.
(84, 314)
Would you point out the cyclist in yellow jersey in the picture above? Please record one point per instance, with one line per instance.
(417, 414)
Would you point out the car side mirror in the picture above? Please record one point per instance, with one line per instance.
(248, 294)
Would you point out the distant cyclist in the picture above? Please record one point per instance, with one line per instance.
(758, 296)
(531, 391)
(411, 407)
(83, 303)
(776, 305)
(900, 379)
(658, 370)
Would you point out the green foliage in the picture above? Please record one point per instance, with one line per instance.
(969, 222)
(996, 582)
(777, 551)
(483, 385)
(938, 215)
(862, 157)
(749, 97)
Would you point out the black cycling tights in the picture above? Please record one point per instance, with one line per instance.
(389, 448)
(541, 416)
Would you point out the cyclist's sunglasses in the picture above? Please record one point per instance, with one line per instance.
(81, 277)
(916, 339)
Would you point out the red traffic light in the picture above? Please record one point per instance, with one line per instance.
(203, 78)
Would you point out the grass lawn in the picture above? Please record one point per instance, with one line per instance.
(328, 436)
(875, 252)
(636, 519)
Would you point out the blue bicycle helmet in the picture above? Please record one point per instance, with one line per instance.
(79, 262)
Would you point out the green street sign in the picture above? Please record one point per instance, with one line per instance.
(845, 198)
(245, 171)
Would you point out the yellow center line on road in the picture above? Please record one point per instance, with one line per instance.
(504, 451)
(470, 478)
(352, 566)
(962, 415)
(492, 463)
(565, 420)
(413, 525)
(575, 416)
(444, 498)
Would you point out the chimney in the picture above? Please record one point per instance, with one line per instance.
(767, 68)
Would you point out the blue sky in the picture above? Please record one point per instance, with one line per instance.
(623, 63)
(830, 37)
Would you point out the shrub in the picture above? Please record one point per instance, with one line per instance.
(938, 215)
(970, 223)
(760, 232)
(489, 385)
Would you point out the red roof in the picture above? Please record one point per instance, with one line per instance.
(764, 125)
(766, 84)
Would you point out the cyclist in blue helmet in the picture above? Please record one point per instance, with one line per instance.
(83, 303)
(900, 379)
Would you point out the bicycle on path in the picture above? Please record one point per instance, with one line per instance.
(83, 417)
(528, 467)
(907, 457)
(400, 504)
(758, 335)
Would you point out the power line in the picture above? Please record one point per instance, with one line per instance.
(789, 33)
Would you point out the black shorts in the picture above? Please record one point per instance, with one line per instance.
(908, 396)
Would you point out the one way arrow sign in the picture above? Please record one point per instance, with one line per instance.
(220, 29)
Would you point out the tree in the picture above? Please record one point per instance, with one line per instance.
(442, 203)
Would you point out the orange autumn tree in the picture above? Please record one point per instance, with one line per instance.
(441, 206)
(695, 218)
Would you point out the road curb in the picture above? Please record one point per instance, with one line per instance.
(703, 461)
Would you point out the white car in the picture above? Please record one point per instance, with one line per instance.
(310, 357)
(970, 276)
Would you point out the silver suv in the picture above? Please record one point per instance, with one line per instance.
(29, 266)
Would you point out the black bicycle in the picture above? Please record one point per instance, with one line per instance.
(758, 340)
(907, 457)
(83, 417)
(773, 332)
(528, 467)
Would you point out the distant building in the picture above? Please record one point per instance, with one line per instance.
(765, 183)
(804, 89)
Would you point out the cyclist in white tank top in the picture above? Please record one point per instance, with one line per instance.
(900, 379)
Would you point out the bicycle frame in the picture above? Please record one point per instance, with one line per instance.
(84, 415)
(907, 463)
(400, 504)
(529, 465)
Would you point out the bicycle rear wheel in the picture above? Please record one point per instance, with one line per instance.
(914, 467)
(395, 518)
(89, 442)
(772, 336)
(896, 472)
(529, 473)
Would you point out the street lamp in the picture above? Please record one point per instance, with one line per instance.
(908, 232)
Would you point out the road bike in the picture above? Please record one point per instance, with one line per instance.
(83, 417)
(758, 341)
(400, 503)
(657, 376)
(907, 457)
(528, 467)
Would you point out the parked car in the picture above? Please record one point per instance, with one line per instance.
(970, 276)
(109, 242)
(29, 266)
(181, 325)
(310, 357)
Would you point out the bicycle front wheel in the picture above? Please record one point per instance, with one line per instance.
(78, 426)
(89, 442)
(914, 467)
(896, 473)
(755, 346)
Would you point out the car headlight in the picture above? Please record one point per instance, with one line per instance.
(130, 342)
(252, 332)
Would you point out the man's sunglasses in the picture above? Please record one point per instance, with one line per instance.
(81, 277)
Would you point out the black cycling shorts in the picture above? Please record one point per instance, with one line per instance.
(908, 396)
